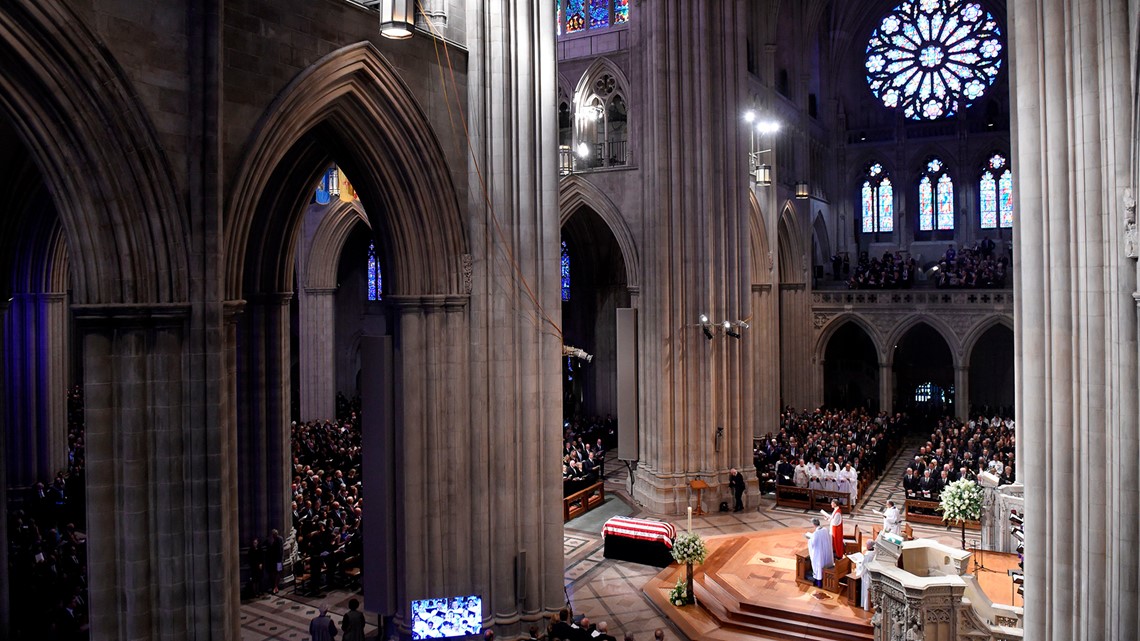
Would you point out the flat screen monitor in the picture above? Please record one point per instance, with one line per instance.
(457, 616)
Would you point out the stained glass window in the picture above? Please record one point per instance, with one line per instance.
(599, 14)
(375, 286)
(558, 17)
(923, 393)
(933, 57)
(935, 198)
(575, 15)
(877, 198)
(565, 273)
(996, 193)
(621, 11)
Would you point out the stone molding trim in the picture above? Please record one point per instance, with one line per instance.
(352, 101)
(74, 108)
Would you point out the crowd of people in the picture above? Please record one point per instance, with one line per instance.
(959, 450)
(973, 267)
(828, 449)
(892, 271)
(977, 266)
(584, 445)
(328, 500)
(563, 627)
(48, 547)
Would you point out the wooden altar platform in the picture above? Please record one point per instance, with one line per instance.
(747, 589)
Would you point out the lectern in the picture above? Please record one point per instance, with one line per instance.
(697, 485)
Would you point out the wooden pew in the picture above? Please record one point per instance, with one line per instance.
(583, 501)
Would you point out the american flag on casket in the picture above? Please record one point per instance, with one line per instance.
(640, 529)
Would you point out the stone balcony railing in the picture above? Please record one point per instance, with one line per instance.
(987, 298)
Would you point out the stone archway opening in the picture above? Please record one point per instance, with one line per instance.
(851, 370)
(923, 374)
(593, 289)
(991, 373)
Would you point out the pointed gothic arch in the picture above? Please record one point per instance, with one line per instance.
(328, 243)
(575, 192)
(791, 247)
(351, 104)
(970, 341)
(761, 262)
(73, 107)
(937, 324)
(821, 241)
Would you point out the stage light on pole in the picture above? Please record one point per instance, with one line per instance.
(749, 116)
(728, 331)
(705, 328)
(397, 18)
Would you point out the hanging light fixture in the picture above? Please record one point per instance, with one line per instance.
(763, 175)
(802, 190)
(397, 18)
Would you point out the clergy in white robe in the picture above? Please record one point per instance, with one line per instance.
(820, 550)
(864, 576)
(800, 476)
(830, 477)
(850, 477)
(891, 519)
(815, 477)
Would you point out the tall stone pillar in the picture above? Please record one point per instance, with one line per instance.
(35, 356)
(1074, 101)
(263, 393)
(961, 392)
(5, 618)
(515, 310)
(695, 407)
(158, 520)
(764, 339)
(796, 349)
(317, 307)
(886, 387)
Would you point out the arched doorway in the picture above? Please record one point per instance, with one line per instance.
(851, 370)
(595, 290)
(923, 366)
(353, 110)
(991, 372)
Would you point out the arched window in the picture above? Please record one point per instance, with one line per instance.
(878, 201)
(935, 198)
(602, 122)
(565, 273)
(931, 58)
(995, 192)
(583, 15)
(375, 285)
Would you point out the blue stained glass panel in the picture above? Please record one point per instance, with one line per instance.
(925, 204)
(575, 15)
(621, 11)
(558, 17)
(868, 208)
(375, 285)
(987, 189)
(943, 54)
(599, 14)
(886, 206)
(945, 202)
(1005, 198)
(565, 272)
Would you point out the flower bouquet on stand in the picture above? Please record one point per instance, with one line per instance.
(962, 501)
(689, 548)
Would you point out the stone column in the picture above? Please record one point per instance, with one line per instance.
(1076, 351)
(157, 517)
(697, 240)
(886, 387)
(5, 619)
(263, 392)
(764, 343)
(35, 356)
(512, 366)
(795, 346)
(317, 307)
(961, 391)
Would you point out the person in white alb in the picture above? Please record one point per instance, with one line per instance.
(864, 576)
(891, 520)
(849, 483)
(800, 476)
(820, 550)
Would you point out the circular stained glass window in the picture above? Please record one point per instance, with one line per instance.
(931, 58)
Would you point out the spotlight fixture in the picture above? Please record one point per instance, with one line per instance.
(729, 331)
(397, 18)
(1018, 579)
(705, 327)
(577, 352)
(1016, 518)
(749, 116)
(767, 127)
(583, 150)
(1016, 533)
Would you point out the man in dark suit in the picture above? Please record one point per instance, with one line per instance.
(736, 483)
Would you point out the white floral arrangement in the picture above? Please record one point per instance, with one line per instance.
(962, 501)
(689, 548)
(678, 596)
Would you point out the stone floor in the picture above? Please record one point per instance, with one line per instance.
(603, 589)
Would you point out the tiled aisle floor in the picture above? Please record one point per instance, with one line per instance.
(602, 589)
